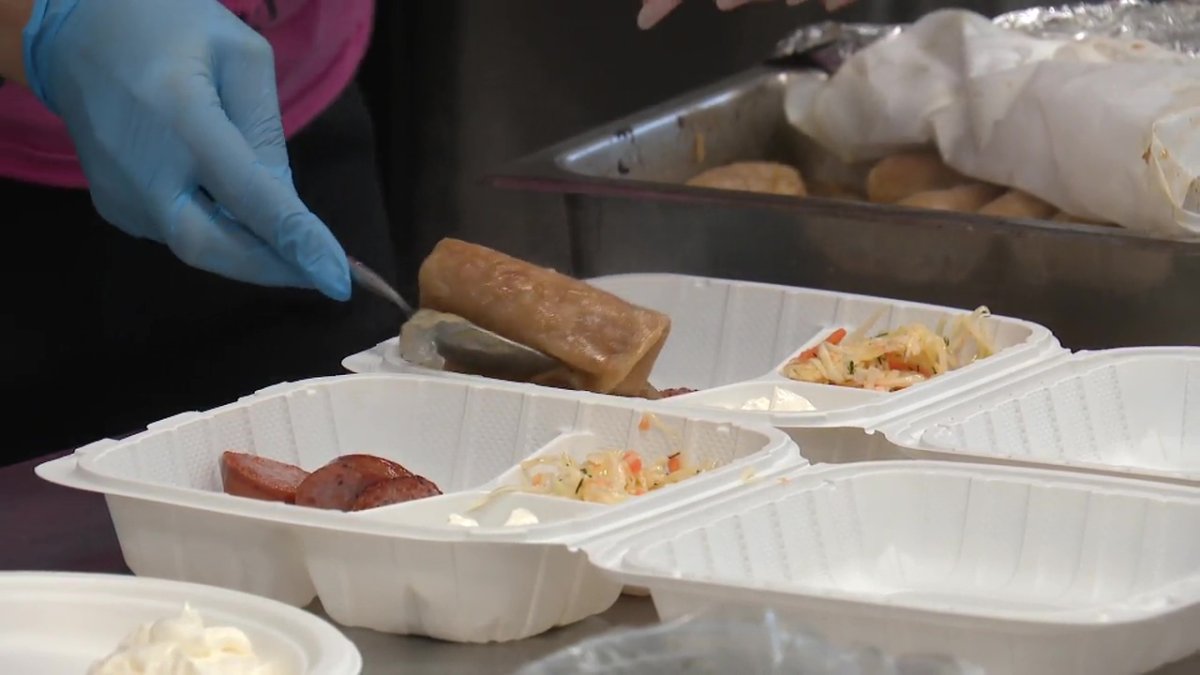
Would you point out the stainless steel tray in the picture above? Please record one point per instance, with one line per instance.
(628, 211)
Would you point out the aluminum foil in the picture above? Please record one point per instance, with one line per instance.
(1174, 24)
(829, 43)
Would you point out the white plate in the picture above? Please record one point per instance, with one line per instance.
(60, 623)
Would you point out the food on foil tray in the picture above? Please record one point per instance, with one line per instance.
(184, 644)
(605, 344)
(348, 483)
(1064, 217)
(917, 179)
(1010, 107)
(1018, 204)
(905, 174)
(965, 198)
(605, 477)
(893, 359)
(764, 177)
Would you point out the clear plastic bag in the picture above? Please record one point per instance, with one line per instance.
(727, 641)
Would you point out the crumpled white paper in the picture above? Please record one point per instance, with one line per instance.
(1104, 129)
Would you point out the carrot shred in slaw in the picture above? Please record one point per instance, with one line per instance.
(894, 359)
(605, 477)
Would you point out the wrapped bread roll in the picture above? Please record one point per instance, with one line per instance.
(905, 174)
(967, 198)
(1018, 204)
(1064, 217)
(832, 191)
(606, 344)
(762, 177)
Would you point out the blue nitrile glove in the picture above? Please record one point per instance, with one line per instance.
(174, 114)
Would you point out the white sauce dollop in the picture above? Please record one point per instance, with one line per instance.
(462, 521)
(183, 645)
(780, 400)
(520, 517)
(517, 518)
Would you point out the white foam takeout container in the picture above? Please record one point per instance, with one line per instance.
(1133, 412)
(1013, 569)
(1016, 569)
(731, 339)
(60, 624)
(404, 568)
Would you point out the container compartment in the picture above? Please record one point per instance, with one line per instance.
(1017, 570)
(1131, 412)
(404, 568)
(726, 333)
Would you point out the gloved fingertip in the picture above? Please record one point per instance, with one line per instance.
(331, 276)
(340, 292)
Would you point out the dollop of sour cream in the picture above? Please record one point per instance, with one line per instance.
(520, 517)
(183, 645)
(517, 518)
(780, 400)
(462, 521)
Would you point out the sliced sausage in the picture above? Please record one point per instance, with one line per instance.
(396, 491)
(257, 477)
(337, 484)
(372, 466)
(333, 486)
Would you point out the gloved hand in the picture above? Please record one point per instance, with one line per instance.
(174, 114)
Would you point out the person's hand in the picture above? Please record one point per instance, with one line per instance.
(654, 11)
(174, 114)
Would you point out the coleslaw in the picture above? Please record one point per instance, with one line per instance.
(604, 477)
(893, 359)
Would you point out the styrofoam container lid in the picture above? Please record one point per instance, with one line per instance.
(730, 339)
(1018, 570)
(54, 623)
(1133, 412)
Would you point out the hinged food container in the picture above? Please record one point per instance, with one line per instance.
(1132, 412)
(406, 568)
(1018, 571)
(730, 340)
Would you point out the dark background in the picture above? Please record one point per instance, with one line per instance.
(455, 88)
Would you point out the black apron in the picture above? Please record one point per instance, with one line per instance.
(107, 333)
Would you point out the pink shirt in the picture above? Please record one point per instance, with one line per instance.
(318, 47)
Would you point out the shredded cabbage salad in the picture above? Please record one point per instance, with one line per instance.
(895, 359)
(605, 477)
